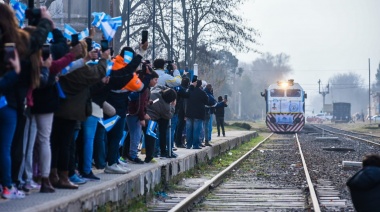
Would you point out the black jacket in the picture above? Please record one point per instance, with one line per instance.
(365, 189)
(195, 105)
(219, 109)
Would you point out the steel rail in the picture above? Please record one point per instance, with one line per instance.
(351, 136)
(208, 185)
(313, 195)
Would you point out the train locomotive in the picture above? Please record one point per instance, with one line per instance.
(285, 107)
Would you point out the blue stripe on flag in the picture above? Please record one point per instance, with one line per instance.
(60, 90)
(109, 67)
(117, 20)
(109, 123)
(68, 31)
(96, 45)
(66, 69)
(19, 9)
(49, 37)
(121, 143)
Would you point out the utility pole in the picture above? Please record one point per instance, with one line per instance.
(324, 93)
(89, 15)
(171, 36)
(154, 30)
(369, 90)
(129, 20)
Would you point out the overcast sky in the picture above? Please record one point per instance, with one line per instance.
(322, 37)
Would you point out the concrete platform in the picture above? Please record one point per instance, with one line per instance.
(121, 188)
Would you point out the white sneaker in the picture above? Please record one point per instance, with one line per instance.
(115, 169)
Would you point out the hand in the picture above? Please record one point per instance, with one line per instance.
(144, 46)
(47, 63)
(174, 66)
(106, 54)
(77, 50)
(147, 117)
(142, 123)
(15, 63)
(92, 32)
(106, 79)
(46, 14)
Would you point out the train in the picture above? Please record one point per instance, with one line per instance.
(285, 107)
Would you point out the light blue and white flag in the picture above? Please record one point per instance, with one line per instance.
(49, 37)
(96, 45)
(109, 123)
(92, 62)
(128, 57)
(109, 29)
(68, 31)
(117, 20)
(98, 18)
(121, 143)
(109, 67)
(83, 34)
(66, 69)
(151, 128)
(19, 9)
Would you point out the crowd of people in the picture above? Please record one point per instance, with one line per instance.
(77, 108)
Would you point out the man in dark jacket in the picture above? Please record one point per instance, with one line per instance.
(195, 114)
(182, 95)
(365, 185)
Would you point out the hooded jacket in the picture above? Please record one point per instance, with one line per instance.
(365, 189)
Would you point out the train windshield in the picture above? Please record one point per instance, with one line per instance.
(277, 92)
(293, 93)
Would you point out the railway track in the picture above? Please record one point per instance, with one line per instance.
(273, 176)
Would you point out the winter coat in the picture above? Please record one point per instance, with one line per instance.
(159, 109)
(219, 109)
(76, 86)
(365, 189)
(195, 105)
(165, 79)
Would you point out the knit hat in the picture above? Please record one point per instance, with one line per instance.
(169, 95)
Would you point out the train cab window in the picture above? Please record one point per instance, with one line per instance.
(277, 93)
(293, 93)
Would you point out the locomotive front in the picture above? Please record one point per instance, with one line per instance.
(285, 107)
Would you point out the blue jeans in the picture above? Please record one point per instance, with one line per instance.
(209, 128)
(135, 132)
(193, 129)
(89, 129)
(8, 121)
(100, 147)
(113, 137)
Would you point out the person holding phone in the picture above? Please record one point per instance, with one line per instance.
(219, 114)
(26, 45)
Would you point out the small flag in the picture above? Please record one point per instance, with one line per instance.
(61, 94)
(66, 69)
(109, 123)
(83, 34)
(128, 56)
(121, 143)
(98, 18)
(151, 128)
(3, 101)
(68, 31)
(19, 9)
(96, 45)
(92, 62)
(49, 37)
(109, 29)
(117, 20)
(109, 67)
